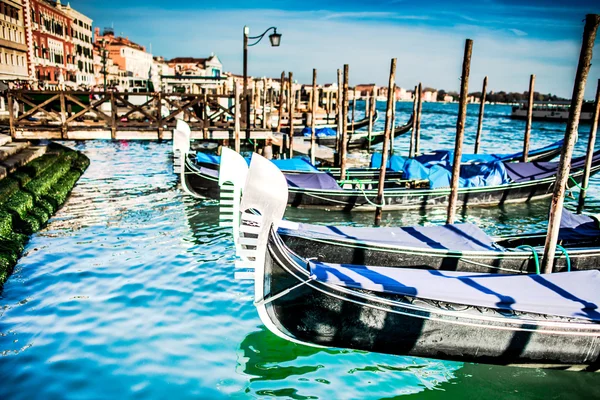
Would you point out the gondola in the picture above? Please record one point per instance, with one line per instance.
(360, 139)
(526, 182)
(533, 320)
(359, 124)
(428, 246)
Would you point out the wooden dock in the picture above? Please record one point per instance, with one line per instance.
(81, 115)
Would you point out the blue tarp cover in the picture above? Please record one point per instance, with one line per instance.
(439, 174)
(577, 226)
(448, 155)
(312, 181)
(458, 237)
(521, 172)
(319, 132)
(568, 294)
(297, 164)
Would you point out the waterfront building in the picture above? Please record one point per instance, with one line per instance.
(52, 45)
(193, 75)
(81, 33)
(13, 41)
(130, 57)
(430, 95)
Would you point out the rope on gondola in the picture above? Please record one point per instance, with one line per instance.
(535, 256)
(564, 251)
(578, 185)
(370, 202)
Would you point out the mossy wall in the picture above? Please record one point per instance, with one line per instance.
(31, 195)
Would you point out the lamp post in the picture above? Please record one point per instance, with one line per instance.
(275, 39)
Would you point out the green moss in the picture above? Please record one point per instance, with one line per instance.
(21, 177)
(59, 192)
(5, 223)
(81, 163)
(8, 187)
(40, 214)
(40, 185)
(6, 268)
(39, 165)
(19, 204)
(27, 225)
(46, 206)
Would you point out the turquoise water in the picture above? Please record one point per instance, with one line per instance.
(129, 293)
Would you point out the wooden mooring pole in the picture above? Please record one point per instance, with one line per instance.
(290, 104)
(353, 109)
(480, 121)
(281, 89)
(590, 152)
(370, 113)
(413, 131)
(460, 131)
(583, 68)
(393, 121)
(313, 116)
(529, 116)
(344, 139)
(264, 104)
(386, 141)
(11, 114)
(418, 121)
(237, 117)
(338, 106)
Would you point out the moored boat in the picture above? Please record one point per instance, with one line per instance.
(536, 320)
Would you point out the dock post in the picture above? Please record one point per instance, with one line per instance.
(393, 121)
(480, 121)
(313, 110)
(113, 117)
(205, 116)
(353, 110)
(264, 104)
(386, 141)
(11, 114)
(460, 131)
(281, 88)
(290, 104)
(159, 119)
(590, 152)
(418, 121)
(583, 68)
(413, 131)
(236, 117)
(63, 116)
(370, 99)
(338, 106)
(344, 127)
(529, 115)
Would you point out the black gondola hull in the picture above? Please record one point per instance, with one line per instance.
(319, 314)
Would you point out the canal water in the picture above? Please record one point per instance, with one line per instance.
(129, 293)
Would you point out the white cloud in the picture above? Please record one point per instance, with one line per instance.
(518, 32)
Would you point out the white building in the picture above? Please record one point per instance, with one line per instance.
(83, 45)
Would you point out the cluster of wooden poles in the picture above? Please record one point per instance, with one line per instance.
(560, 187)
(591, 26)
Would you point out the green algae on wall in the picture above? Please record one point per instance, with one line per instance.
(31, 195)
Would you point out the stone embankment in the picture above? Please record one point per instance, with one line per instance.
(35, 181)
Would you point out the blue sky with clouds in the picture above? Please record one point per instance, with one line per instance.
(512, 38)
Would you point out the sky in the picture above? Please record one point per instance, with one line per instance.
(512, 38)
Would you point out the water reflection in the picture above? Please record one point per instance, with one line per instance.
(280, 368)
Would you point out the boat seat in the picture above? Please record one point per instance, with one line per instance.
(566, 294)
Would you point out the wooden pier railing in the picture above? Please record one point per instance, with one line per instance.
(120, 115)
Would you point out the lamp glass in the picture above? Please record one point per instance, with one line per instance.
(275, 39)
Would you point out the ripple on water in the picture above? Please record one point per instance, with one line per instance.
(128, 293)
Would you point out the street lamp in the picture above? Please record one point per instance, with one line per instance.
(275, 39)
